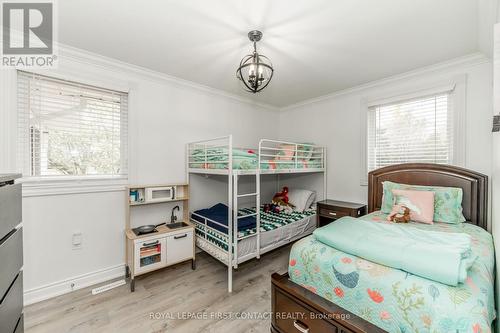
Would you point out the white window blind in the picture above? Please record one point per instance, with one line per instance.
(416, 130)
(70, 129)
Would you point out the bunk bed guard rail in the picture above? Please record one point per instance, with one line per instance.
(282, 155)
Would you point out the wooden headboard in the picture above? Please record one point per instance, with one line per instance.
(473, 184)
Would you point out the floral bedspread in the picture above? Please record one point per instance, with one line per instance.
(395, 300)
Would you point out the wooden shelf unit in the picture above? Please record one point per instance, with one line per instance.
(183, 199)
(158, 202)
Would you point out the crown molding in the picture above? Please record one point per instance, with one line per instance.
(470, 60)
(94, 59)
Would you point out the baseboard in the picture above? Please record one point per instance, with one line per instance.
(78, 282)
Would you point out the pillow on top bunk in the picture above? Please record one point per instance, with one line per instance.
(301, 199)
(287, 153)
(447, 200)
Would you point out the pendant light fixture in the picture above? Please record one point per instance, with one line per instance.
(255, 70)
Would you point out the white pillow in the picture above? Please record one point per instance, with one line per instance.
(301, 199)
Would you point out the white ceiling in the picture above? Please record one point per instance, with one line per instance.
(316, 46)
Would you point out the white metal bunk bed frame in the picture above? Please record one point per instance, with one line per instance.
(230, 257)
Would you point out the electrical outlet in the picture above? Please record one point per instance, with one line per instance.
(77, 240)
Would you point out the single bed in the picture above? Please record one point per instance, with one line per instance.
(393, 299)
(376, 298)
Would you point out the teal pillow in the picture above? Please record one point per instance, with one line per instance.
(447, 200)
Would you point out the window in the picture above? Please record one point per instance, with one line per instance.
(70, 129)
(414, 130)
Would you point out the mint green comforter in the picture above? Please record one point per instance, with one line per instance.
(408, 249)
(395, 300)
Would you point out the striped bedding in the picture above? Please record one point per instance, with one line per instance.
(268, 221)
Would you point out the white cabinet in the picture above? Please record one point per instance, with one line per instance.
(164, 248)
(150, 254)
(180, 247)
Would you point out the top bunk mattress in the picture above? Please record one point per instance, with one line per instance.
(393, 299)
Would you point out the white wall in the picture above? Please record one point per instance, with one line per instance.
(335, 121)
(165, 114)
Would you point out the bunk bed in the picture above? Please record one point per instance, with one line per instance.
(234, 233)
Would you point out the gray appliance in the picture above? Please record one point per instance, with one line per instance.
(11, 255)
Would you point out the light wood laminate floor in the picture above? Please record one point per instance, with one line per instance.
(169, 295)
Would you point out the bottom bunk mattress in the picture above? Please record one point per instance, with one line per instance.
(395, 300)
(276, 228)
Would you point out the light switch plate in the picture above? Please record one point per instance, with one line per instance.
(77, 240)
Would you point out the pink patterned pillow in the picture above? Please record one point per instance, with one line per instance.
(420, 203)
(287, 153)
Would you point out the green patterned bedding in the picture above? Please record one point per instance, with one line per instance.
(301, 164)
(268, 221)
(395, 300)
(216, 158)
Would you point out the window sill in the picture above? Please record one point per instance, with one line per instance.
(47, 186)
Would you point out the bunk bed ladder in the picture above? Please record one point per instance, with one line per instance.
(229, 217)
(237, 196)
(235, 219)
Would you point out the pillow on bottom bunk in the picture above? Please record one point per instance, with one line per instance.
(301, 199)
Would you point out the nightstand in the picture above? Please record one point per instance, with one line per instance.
(330, 210)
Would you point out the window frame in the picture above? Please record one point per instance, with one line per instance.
(456, 87)
(54, 185)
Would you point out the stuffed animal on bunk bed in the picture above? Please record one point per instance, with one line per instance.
(281, 198)
(279, 203)
(399, 214)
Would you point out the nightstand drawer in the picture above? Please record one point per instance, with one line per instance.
(334, 214)
(331, 210)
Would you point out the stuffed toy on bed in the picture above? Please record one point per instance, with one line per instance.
(281, 198)
(399, 214)
(276, 208)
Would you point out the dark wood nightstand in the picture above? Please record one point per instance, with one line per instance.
(330, 210)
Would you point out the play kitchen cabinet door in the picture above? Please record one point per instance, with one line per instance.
(150, 255)
(180, 247)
